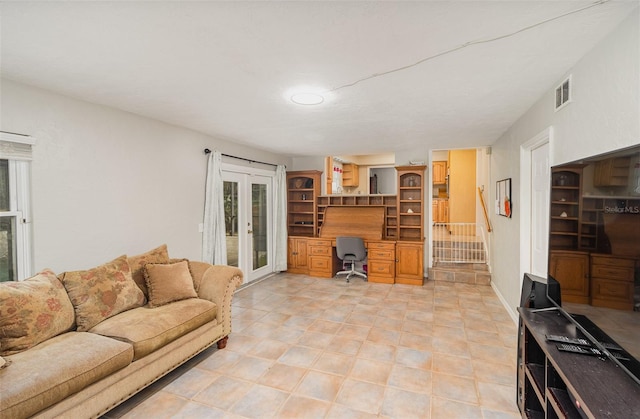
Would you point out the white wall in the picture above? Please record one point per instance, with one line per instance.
(604, 116)
(107, 182)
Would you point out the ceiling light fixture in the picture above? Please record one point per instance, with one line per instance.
(307, 98)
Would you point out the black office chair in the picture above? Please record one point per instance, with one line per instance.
(351, 250)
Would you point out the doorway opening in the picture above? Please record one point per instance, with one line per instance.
(459, 228)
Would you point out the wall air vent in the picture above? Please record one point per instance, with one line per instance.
(563, 93)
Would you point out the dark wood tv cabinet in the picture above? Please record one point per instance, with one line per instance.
(556, 384)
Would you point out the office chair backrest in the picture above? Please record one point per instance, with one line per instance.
(350, 246)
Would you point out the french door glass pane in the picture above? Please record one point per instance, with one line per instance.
(231, 221)
(5, 202)
(259, 224)
(7, 249)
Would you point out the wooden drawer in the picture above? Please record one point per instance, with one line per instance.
(385, 268)
(319, 250)
(612, 294)
(319, 263)
(376, 245)
(316, 242)
(612, 260)
(618, 273)
(381, 254)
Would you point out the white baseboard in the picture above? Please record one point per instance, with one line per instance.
(511, 312)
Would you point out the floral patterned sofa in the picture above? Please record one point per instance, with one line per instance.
(78, 344)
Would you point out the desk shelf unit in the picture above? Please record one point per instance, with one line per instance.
(389, 203)
(566, 186)
(411, 203)
(303, 189)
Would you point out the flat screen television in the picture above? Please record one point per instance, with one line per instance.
(539, 293)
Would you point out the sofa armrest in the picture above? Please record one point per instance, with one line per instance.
(217, 284)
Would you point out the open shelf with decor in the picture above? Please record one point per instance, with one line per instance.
(564, 214)
(303, 188)
(410, 203)
(410, 220)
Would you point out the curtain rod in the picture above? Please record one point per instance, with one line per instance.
(207, 151)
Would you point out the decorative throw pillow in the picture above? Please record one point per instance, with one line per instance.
(4, 363)
(168, 282)
(157, 255)
(33, 311)
(102, 292)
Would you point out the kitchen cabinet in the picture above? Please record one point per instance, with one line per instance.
(440, 208)
(439, 175)
(350, 175)
(612, 172)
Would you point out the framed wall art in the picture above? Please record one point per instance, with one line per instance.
(503, 198)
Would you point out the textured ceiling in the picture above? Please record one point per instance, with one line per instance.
(222, 68)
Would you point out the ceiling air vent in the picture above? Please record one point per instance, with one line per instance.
(563, 93)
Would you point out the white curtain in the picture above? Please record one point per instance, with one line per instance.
(280, 222)
(214, 244)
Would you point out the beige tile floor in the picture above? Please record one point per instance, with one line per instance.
(305, 347)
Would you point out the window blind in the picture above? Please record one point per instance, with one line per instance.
(15, 146)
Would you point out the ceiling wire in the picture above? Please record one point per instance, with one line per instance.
(468, 44)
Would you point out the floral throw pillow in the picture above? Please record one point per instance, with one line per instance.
(33, 311)
(157, 255)
(102, 292)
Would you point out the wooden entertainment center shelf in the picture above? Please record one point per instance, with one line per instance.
(556, 384)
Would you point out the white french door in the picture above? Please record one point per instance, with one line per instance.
(248, 198)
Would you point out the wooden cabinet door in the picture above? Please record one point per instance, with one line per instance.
(350, 175)
(439, 172)
(571, 270)
(443, 211)
(297, 255)
(409, 263)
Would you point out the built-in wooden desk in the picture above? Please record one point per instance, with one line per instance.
(381, 259)
(388, 261)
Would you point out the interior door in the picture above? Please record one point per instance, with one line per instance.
(540, 183)
(247, 205)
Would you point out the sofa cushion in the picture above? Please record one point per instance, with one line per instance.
(33, 311)
(56, 369)
(148, 329)
(157, 255)
(102, 292)
(168, 282)
(3, 363)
